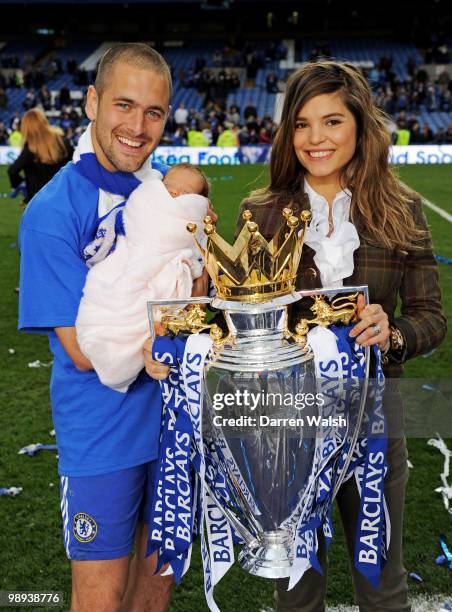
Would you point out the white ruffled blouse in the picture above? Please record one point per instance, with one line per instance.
(334, 253)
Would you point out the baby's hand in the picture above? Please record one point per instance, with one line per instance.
(159, 330)
(200, 285)
(212, 214)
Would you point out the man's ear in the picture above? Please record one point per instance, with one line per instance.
(92, 100)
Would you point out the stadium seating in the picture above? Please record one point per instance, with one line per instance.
(182, 60)
(361, 50)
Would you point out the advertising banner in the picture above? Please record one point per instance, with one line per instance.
(258, 154)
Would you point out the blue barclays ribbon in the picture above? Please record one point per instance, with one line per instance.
(442, 259)
(181, 502)
(172, 515)
(342, 383)
(371, 531)
(214, 567)
(446, 557)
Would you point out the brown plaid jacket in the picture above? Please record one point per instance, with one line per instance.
(390, 274)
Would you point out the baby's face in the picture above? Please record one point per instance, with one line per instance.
(180, 181)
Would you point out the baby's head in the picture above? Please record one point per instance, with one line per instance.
(186, 178)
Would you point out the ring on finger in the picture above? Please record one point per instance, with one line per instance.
(376, 328)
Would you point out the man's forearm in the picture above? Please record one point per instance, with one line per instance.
(68, 338)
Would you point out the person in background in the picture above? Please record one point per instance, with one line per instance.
(64, 98)
(448, 134)
(15, 119)
(15, 137)
(233, 114)
(44, 97)
(44, 152)
(426, 133)
(416, 136)
(181, 115)
(264, 136)
(195, 137)
(30, 100)
(180, 137)
(3, 134)
(403, 134)
(229, 137)
(3, 99)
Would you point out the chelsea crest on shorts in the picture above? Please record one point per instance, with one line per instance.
(85, 527)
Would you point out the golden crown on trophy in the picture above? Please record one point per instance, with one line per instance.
(253, 269)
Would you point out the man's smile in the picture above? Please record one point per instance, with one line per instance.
(129, 143)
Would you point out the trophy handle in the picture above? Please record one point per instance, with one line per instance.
(335, 291)
(171, 302)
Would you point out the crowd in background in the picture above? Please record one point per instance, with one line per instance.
(215, 126)
(22, 72)
(222, 73)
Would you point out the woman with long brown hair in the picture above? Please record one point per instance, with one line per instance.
(44, 152)
(331, 155)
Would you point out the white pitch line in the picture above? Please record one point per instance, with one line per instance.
(439, 211)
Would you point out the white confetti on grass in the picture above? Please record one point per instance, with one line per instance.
(432, 603)
(32, 449)
(39, 364)
(446, 489)
(419, 604)
(11, 491)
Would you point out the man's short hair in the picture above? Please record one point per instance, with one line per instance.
(140, 55)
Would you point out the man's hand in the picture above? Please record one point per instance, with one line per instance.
(156, 370)
(68, 338)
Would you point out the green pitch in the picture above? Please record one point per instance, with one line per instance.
(31, 550)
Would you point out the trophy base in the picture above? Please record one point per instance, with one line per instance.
(269, 556)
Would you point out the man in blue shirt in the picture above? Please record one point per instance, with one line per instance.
(107, 441)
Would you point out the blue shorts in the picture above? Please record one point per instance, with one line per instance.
(100, 513)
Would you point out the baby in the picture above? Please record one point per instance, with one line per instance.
(155, 259)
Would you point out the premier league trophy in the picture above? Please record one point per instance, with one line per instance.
(271, 440)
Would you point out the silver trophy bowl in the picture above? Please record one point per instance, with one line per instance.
(266, 466)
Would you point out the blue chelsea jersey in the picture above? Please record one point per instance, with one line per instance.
(98, 430)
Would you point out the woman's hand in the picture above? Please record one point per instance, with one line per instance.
(373, 327)
(156, 370)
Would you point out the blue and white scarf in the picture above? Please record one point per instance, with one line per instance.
(114, 189)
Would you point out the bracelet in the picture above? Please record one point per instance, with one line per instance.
(397, 340)
(396, 348)
(386, 350)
